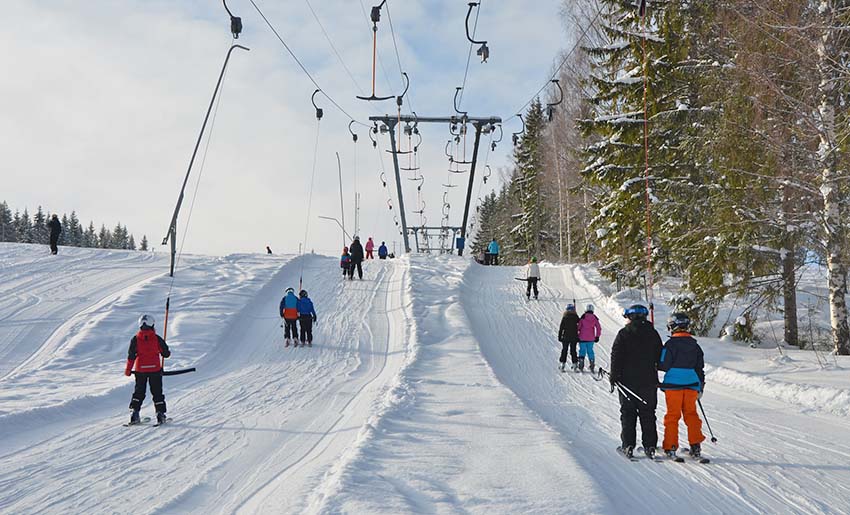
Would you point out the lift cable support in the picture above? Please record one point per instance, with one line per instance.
(391, 124)
(515, 136)
(483, 51)
(550, 107)
(356, 191)
(235, 22)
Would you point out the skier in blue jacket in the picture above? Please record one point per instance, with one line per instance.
(493, 251)
(289, 313)
(382, 250)
(306, 315)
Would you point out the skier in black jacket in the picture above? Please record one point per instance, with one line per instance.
(635, 354)
(568, 336)
(356, 250)
(55, 230)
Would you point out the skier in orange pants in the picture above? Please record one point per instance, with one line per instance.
(684, 382)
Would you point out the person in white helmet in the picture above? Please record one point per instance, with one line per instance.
(144, 356)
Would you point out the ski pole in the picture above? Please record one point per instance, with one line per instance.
(636, 396)
(713, 439)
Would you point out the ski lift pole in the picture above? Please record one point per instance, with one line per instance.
(341, 204)
(471, 183)
(172, 228)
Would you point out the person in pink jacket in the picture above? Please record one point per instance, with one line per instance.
(589, 330)
(370, 245)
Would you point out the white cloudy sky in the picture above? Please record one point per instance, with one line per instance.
(102, 101)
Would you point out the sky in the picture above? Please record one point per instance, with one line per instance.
(103, 101)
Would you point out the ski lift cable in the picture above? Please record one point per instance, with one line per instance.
(310, 191)
(301, 65)
(561, 65)
(333, 47)
(397, 55)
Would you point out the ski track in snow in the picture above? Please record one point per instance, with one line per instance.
(768, 459)
(431, 387)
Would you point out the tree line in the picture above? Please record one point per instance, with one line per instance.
(746, 175)
(20, 227)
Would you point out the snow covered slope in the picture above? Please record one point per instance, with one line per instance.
(431, 388)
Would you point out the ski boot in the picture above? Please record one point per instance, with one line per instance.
(160, 417)
(592, 366)
(563, 367)
(580, 366)
(574, 366)
(286, 344)
(649, 451)
(135, 418)
(695, 451)
(309, 343)
(629, 451)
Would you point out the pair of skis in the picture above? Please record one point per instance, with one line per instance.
(661, 457)
(144, 421)
(303, 344)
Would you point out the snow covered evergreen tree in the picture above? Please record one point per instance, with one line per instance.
(143, 246)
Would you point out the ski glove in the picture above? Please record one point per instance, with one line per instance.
(699, 395)
(596, 339)
(612, 386)
(128, 368)
(314, 318)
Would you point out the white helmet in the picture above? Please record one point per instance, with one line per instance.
(146, 321)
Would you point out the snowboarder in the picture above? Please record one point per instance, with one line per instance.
(345, 264)
(144, 356)
(306, 316)
(268, 250)
(55, 230)
(493, 252)
(634, 359)
(289, 313)
(382, 250)
(356, 257)
(684, 382)
(568, 336)
(532, 275)
(589, 331)
(370, 245)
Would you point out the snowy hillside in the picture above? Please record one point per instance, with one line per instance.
(432, 386)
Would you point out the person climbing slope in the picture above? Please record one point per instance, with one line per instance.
(370, 245)
(382, 250)
(532, 275)
(144, 356)
(306, 317)
(568, 336)
(289, 313)
(356, 257)
(684, 382)
(589, 331)
(345, 264)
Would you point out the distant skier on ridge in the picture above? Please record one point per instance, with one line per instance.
(55, 230)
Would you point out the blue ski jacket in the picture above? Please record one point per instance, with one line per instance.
(382, 251)
(493, 248)
(683, 363)
(289, 306)
(305, 307)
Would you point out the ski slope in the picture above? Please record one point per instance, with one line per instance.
(431, 387)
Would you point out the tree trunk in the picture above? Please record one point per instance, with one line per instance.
(789, 294)
(827, 155)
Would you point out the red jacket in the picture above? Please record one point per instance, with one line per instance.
(145, 349)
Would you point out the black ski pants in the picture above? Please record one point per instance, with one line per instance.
(290, 327)
(155, 381)
(54, 244)
(572, 349)
(306, 328)
(632, 410)
(532, 282)
(359, 266)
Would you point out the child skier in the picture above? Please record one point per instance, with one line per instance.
(144, 355)
(684, 382)
(289, 313)
(568, 336)
(589, 330)
(345, 264)
(532, 276)
(306, 315)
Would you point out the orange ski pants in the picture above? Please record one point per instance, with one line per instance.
(679, 403)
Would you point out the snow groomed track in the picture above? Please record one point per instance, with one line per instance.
(432, 387)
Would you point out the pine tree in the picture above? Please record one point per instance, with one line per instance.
(90, 237)
(144, 244)
(74, 230)
(65, 234)
(24, 228)
(40, 232)
(7, 228)
(131, 243)
(104, 238)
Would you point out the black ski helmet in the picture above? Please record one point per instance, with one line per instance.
(678, 322)
(302, 293)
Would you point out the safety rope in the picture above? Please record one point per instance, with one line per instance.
(650, 279)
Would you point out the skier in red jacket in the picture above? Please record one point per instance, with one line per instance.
(144, 355)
